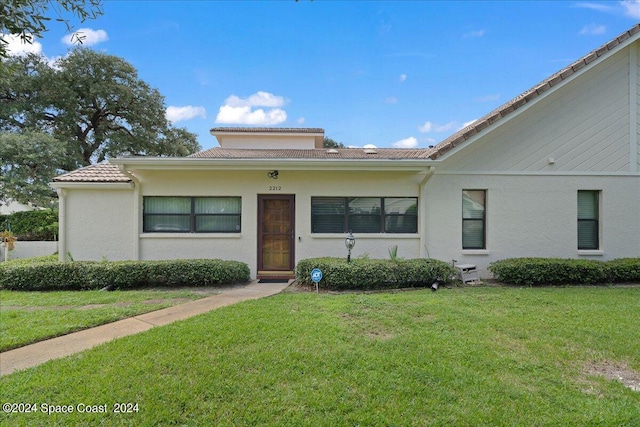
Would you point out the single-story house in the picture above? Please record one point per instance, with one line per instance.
(554, 172)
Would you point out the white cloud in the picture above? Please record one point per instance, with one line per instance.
(369, 146)
(475, 34)
(592, 30)
(402, 78)
(237, 110)
(258, 99)
(631, 8)
(188, 112)
(465, 124)
(88, 36)
(301, 120)
(433, 127)
(594, 6)
(391, 100)
(425, 128)
(410, 142)
(17, 47)
(487, 98)
(245, 116)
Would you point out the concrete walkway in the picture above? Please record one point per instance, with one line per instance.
(40, 352)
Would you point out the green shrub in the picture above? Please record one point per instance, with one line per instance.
(32, 260)
(624, 270)
(33, 225)
(555, 271)
(80, 275)
(364, 274)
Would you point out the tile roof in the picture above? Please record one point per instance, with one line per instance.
(266, 130)
(102, 172)
(318, 153)
(529, 95)
(107, 173)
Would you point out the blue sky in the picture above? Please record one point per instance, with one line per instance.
(392, 74)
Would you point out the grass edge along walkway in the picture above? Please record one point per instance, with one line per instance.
(40, 352)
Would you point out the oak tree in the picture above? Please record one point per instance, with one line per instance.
(93, 101)
(28, 19)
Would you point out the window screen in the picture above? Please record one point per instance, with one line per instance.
(473, 219)
(588, 218)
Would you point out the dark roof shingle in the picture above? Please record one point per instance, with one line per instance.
(317, 153)
(266, 130)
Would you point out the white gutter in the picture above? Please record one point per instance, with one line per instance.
(92, 185)
(198, 163)
(422, 219)
(62, 225)
(136, 211)
(633, 109)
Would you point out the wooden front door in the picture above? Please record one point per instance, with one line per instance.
(276, 234)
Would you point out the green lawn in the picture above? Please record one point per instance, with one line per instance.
(457, 357)
(27, 317)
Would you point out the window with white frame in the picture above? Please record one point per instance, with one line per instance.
(588, 219)
(162, 214)
(364, 214)
(474, 219)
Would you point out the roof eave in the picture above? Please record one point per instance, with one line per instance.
(165, 163)
(92, 185)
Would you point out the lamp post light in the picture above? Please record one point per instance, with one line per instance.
(349, 242)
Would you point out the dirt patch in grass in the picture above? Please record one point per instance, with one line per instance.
(615, 371)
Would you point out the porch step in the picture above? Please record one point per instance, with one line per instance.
(274, 275)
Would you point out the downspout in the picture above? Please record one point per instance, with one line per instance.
(62, 225)
(136, 211)
(633, 109)
(422, 219)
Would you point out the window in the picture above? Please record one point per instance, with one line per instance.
(192, 214)
(473, 219)
(588, 209)
(364, 214)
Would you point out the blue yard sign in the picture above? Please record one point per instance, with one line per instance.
(316, 276)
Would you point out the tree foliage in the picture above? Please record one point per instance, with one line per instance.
(29, 18)
(94, 101)
(28, 162)
(330, 143)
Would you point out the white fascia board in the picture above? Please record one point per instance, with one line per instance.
(165, 163)
(543, 173)
(252, 133)
(93, 185)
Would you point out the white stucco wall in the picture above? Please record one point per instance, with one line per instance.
(531, 216)
(248, 185)
(267, 141)
(29, 249)
(99, 224)
(580, 136)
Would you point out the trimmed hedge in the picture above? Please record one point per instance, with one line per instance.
(82, 275)
(365, 274)
(557, 271)
(624, 270)
(33, 225)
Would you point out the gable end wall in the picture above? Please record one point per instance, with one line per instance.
(583, 126)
